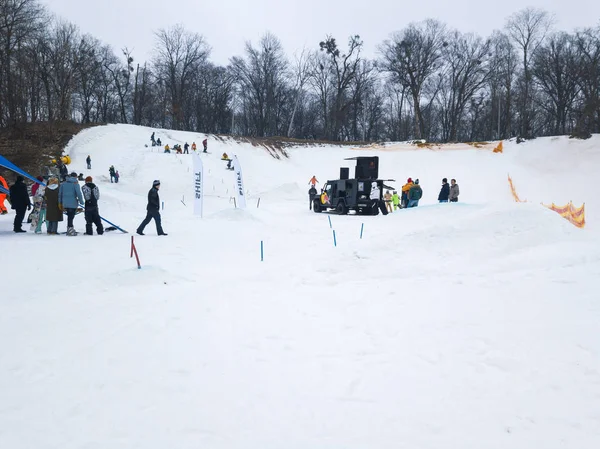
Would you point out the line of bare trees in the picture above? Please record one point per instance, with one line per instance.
(427, 82)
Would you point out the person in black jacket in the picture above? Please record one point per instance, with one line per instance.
(445, 192)
(312, 194)
(153, 209)
(91, 195)
(19, 198)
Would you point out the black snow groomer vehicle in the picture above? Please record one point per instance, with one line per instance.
(345, 194)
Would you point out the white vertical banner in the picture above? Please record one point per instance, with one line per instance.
(239, 184)
(198, 185)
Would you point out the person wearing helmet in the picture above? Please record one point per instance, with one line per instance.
(396, 200)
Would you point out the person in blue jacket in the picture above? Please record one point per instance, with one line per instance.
(69, 199)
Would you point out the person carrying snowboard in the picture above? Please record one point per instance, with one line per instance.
(205, 145)
(91, 194)
(38, 216)
(153, 210)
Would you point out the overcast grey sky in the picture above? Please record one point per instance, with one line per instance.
(227, 24)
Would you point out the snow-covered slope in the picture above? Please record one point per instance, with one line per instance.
(471, 325)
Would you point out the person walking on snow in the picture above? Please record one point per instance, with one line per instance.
(388, 201)
(69, 199)
(205, 145)
(153, 210)
(414, 194)
(312, 194)
(53, 212)
(444, 192)
(454, 191)
(313, 181)
(91, 194)
(88, 161)
(3, 210)
(396, 200)
(20, 202)
(111, 172)
(117, 176)
(186, 148)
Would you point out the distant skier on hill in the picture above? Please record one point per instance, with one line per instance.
(88, 161)
(186, 148)
(205, 145)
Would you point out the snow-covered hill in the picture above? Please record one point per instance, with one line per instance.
(470, 325)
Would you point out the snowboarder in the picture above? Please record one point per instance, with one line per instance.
(36, 186)
(313, 181)
(88, 160)
(396, 200)
(152, 139)
(205, 145)
(405, 189)
(186, 148)
(312, 194)
(224, 157)
(111, 172)
(194, 146)
(444, 192)
(414, 194)
(153, 210)
(91, 194)
(229, 166)
(53, 212)
(117, 176)
(454, 191)
(3, 210)
(69, 199)
(375, 197)
(19, 199)
(167, 149)
(158, 142)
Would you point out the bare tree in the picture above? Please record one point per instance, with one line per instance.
(413, 55)
(302, 65)
(178, 55)
(528, 28)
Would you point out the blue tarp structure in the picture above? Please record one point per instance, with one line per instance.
(3, 190)
(8, 164)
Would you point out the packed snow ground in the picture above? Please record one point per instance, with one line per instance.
(471, 325)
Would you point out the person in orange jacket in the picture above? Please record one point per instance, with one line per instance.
(405, 189)
(313, 181)
(193, 146)
(3, 210)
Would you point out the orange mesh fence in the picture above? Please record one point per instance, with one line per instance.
(576, 215)
(513, 191)
(499, 148)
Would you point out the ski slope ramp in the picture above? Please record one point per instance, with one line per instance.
(471, 325)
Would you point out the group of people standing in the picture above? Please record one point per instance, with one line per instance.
(449, 192)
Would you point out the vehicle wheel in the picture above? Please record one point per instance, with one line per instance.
(341, 209)
(317, 207)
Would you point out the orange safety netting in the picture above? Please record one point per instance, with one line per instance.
(499, 148)
(514, 192)
(576, 215)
